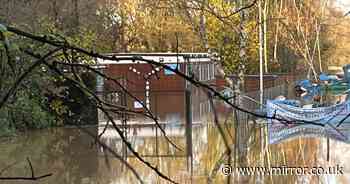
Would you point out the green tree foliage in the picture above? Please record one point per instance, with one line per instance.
(25, 108)
(41, 98)
(295, 39)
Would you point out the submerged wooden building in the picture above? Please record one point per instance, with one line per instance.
(160, 89)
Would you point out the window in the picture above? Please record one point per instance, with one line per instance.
(199, 72)
(203, 72)
(169, 72)
(113, 98)
(208, 71)
(213, 70)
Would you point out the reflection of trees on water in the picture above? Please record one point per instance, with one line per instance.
(64, 152)
(339, 155)
(168, 159)
(68, 154)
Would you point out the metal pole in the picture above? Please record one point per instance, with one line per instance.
(261, 62)
(188, 118)
(100, 93)
(188, 126)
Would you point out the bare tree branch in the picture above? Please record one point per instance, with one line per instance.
(126, 142)
(116, 155)
(24, 75)
(32, 177)
(43, 39)
(105, 107)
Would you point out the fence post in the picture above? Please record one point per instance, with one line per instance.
(188, 105)
(188, 118)
(99, 92)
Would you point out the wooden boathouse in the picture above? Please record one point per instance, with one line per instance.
(163, 91)
(135, 72)
(159, 89)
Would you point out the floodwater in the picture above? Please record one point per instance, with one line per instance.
(73, 157)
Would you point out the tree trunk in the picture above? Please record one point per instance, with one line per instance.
(75, 21)
(261, 50)
(265, 35)
(55, 13)
(241, 126)
(275, 59)
(204, 39)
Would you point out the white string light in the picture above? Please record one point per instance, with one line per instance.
(147, 77)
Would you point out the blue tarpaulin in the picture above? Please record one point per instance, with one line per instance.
(324, 77)
(305, 83)
(169, 72)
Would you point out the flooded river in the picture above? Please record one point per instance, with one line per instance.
(73, 157)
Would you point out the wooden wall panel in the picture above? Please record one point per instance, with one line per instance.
(137, 83)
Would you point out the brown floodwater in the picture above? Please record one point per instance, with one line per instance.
(73, 157)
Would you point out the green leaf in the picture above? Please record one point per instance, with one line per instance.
(3, 28)
(3, 35)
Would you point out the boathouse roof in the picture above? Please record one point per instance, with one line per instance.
(164, 57)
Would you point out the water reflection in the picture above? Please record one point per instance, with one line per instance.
(206, 147)
(339, 155)
(69, 154)
(65, 152)
(73, 158)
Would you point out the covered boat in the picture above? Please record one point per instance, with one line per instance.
(290, 121)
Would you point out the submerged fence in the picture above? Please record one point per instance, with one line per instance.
(281, 85)
(169, 106)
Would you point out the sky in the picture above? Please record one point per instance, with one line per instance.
(343, 4)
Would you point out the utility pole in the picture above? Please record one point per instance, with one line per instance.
(241, 125)
(261, 53)
(265, 13)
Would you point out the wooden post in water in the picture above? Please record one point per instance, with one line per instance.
(188, 126)
(188, 119)
(124, 120)
(99, 92)
(241, 128)
(261, 54)
(328, 152)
